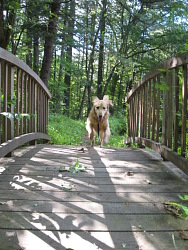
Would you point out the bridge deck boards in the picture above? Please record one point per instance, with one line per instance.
(117, 203)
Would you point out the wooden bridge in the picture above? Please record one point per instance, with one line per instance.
(118, 201)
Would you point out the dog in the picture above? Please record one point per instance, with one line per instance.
(97, 121)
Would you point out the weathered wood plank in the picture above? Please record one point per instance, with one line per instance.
(61, 240)
(83, 180)
(81, 207)
(95, 222)
(27, 195)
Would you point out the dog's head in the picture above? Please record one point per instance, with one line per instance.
(101, 107)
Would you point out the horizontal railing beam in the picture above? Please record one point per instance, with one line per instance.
(11, 145)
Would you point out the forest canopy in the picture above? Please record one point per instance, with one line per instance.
(92, 47)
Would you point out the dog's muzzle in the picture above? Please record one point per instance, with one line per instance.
(100, 118)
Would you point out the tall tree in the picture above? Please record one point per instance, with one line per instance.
(68, 52)
(7, 19)
(101, 49)
(49, 41)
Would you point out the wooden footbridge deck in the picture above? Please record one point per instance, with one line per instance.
(117, 203)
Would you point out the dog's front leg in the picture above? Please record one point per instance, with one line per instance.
(91, 136)
(101, 136)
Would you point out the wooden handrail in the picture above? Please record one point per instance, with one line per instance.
(23, 106)
(157, 111)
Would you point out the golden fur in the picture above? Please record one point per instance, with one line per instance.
(98, 116)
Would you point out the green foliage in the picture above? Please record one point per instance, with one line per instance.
(64, 130)
(77, 167)
(183, 209)
(118, 125)
(18, 116)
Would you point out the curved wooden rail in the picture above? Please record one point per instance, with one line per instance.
(23, 106)
(157, 111)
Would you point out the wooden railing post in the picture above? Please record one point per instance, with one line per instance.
(10, 107)
(165, 112)
(184, 110)
(0, 96)
(149, 109)
(170, 110)
(176, 106)
(158, 110)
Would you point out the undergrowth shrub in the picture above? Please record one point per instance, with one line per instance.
(66, 131)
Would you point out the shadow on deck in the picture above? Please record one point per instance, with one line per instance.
(116, 204)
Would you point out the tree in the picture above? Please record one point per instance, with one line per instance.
(49, 41)
(101, 50)
(70, 24)
(7, 19)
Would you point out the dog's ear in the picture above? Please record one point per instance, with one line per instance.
(110, 103)
(95, 99)
(105, 98)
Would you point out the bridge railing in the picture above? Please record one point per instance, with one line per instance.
(23, 106)
(157, 111)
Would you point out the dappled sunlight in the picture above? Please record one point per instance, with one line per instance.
(32, 240)
(16, 186)
(101, 208)
(2, 169)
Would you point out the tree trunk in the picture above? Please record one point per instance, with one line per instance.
(49, 41)
(69, 57)
(109, 78)
(101, 51)
(36, 54)
(6, 23)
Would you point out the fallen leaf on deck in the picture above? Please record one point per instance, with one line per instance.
(171, 208)
(82, 150)
(124, 245)
(62, 169)
(35, 205)
(184, 235)
(148, 181)
(129, 173)
(77, 167)
(68, 187)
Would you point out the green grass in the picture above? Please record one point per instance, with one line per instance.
(66, 131)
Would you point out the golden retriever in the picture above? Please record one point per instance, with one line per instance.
(97, 121)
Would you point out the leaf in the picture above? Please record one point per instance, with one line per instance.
(8, 115)
(140, 226)
(184, 235)
(26, 115)
(62, 169)
(77, 167)
(148, 181)
(68, 187)
(128, 173)
(18, 117)
(124, 245)
(185, 198)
